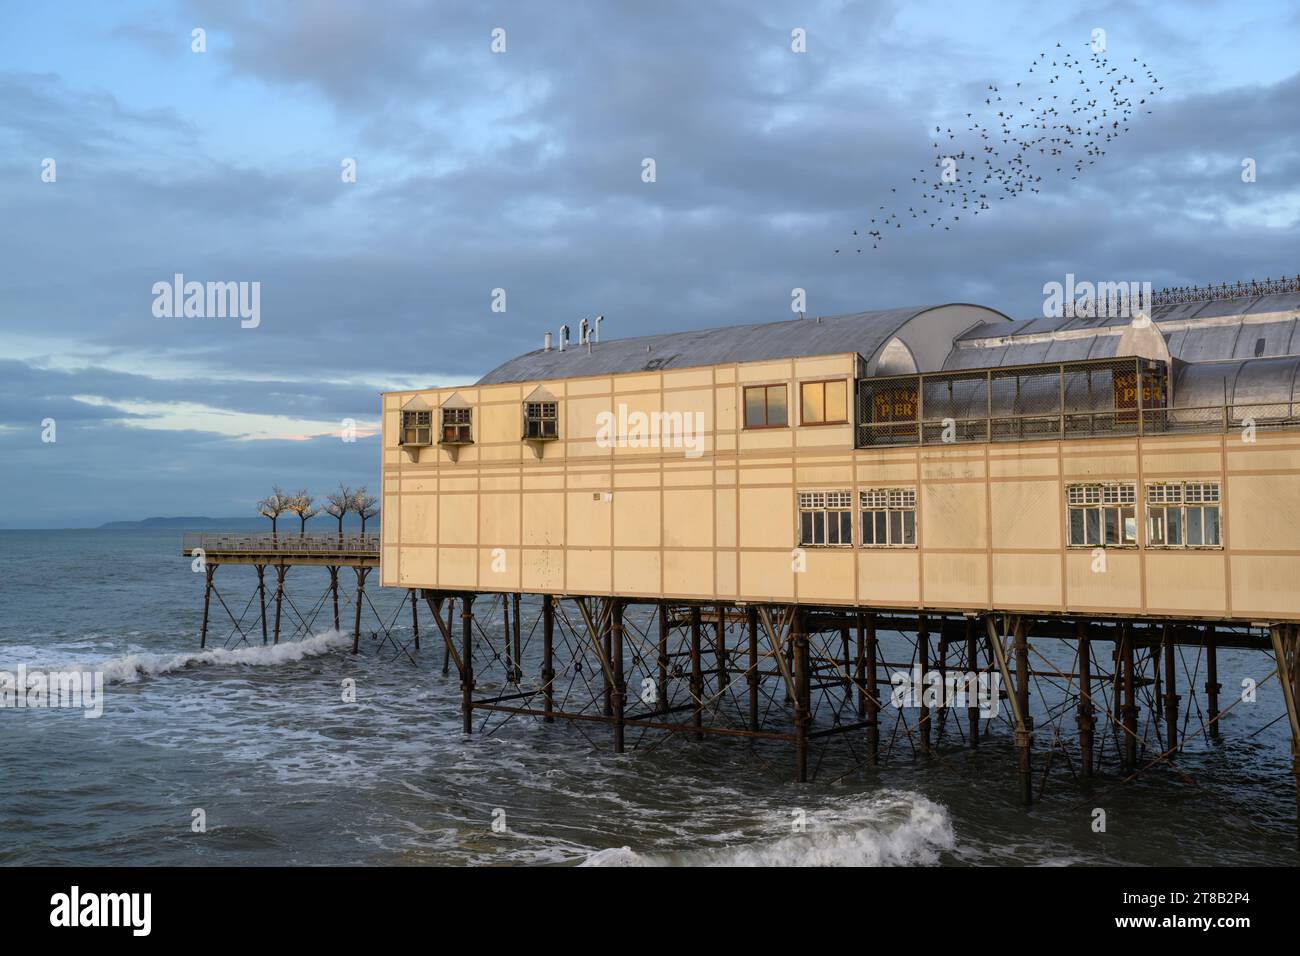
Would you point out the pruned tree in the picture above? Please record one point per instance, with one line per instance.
(301, 505)
(365, 505)
(339, 503)
(274, 505)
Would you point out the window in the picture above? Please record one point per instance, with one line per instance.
(1183, 514)
(824, 403)
(541, 420)
(456, 427)
(826, 518)
(765, 406)
(888, 517)
(1102, 515)
(417, 427)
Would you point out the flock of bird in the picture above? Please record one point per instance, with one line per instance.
(1057, 121)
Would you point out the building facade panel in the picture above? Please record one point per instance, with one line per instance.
(745, 481)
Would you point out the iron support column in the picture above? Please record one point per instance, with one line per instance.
(1212, 685)
(548, 658)
(751, 621)
(1086, 710)
(467, 661)
(1024, 736)
(697, 677)
(802, 689)
(1171, 696)
(208, 571)
(616, 664)
(873, 697)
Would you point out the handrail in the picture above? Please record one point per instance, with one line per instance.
(282, 543)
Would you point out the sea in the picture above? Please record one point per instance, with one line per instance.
(304, 753)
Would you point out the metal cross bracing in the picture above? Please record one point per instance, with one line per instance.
(1139, 694)
(1104, 700)
(277, 617)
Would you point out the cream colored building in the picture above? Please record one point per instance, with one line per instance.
(937, 458)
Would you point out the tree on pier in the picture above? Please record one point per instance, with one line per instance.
(301, 505)
(365, 505)
(339, 503)
(274, 505)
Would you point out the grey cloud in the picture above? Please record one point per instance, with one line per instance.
(523, 172)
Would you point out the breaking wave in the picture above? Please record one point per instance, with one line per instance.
(134, 667)
(890, 829)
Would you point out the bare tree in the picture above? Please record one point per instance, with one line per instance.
(364, 504)
(339, 503)
(301, 505)
(274, 505)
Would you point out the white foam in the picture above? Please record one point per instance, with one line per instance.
(617, 856)
(889, 829)
(133, 667)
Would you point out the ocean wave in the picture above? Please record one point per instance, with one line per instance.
(889, 829)
(132, 668)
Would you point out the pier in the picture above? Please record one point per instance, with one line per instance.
(277, 553)
(1118, 697)
(864, 538)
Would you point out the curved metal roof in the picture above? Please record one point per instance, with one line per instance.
(862, 332)
(1242, 382)
(1264, 326)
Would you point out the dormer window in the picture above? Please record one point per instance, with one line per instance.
(457, 427)
(417, 427)
(541, 421)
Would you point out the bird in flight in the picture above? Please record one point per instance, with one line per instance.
(1002, 149)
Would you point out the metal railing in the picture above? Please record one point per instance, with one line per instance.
(1240, 290)
(235, 542)
(1097, 398)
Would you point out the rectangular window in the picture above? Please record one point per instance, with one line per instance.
(1183, 514)
(456, 427)
(765, 406)
(888, 517)
(824, 403)
(1102, 514)
(541, 420)
(826, 518)
(417, 427)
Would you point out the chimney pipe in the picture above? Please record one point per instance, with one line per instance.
(584, 332)
(564, 337)
(599, 319)
(546, 342)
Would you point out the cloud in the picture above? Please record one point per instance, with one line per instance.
(522, 171)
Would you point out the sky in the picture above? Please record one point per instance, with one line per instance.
(523, 169)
